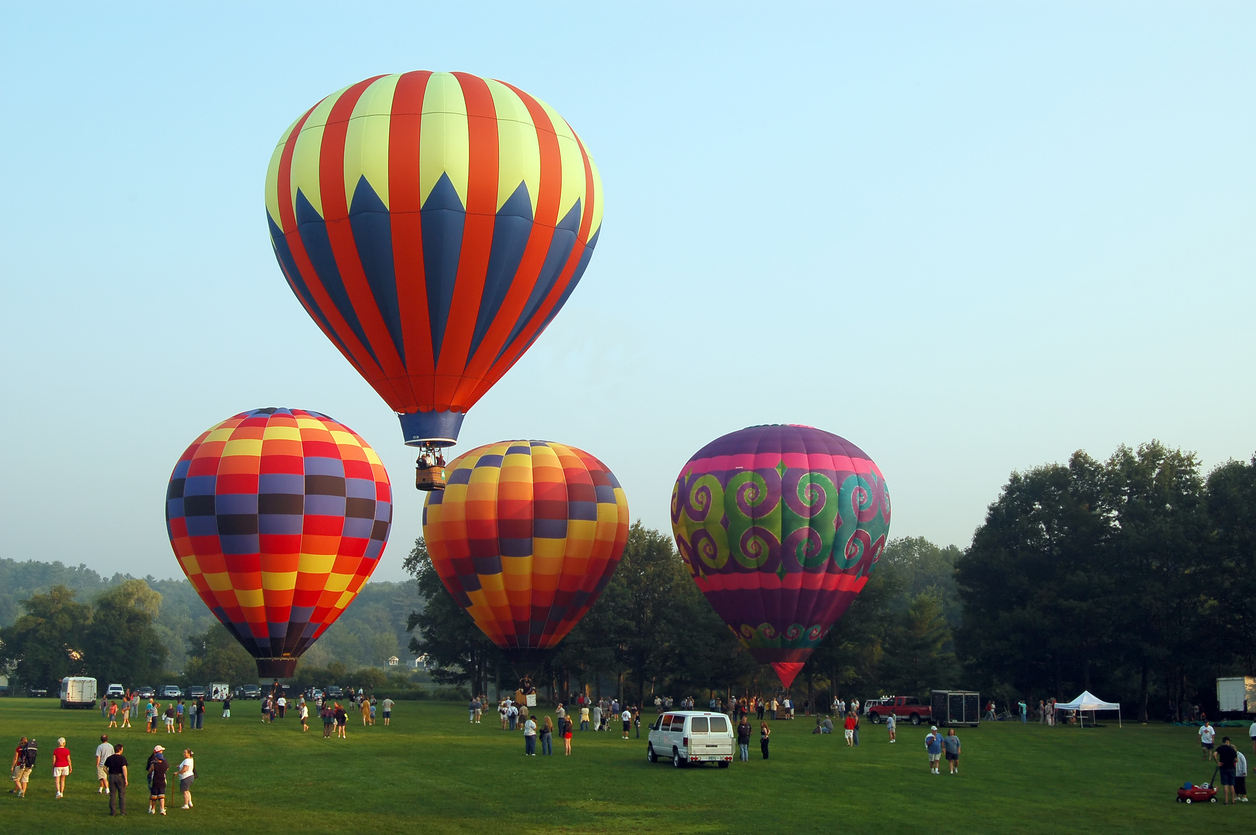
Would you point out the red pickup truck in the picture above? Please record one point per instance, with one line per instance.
(903, 707)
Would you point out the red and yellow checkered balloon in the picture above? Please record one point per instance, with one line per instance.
(525, 537)
(278, 517)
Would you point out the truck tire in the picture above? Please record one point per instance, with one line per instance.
(874, 718)
(915, 718)
(649, 752)
(677, 762)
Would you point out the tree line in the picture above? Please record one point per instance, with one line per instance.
(1132, 577)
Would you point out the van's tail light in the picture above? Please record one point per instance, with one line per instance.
(684, 740)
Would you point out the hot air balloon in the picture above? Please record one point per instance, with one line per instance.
(277, 517)
(432, 224)
(525, 537)
(780, 527)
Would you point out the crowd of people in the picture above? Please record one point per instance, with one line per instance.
(113, 773)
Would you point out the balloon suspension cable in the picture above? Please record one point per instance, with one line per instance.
(429, 468)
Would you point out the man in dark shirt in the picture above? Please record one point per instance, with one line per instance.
(1227, 757)
(116, 766)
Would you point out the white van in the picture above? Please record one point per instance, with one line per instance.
(78, 691)
(691, 736)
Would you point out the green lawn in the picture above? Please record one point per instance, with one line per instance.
(433, 772)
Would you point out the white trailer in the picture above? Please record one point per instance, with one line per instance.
(78, 691)
(218, 691)
(1236, 694)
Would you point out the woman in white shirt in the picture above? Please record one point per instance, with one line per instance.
(186, 774)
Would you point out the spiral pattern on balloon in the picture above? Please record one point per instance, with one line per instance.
(755, 547)
(794, 632)
(804, 545)
(705, 548)
(814, 633)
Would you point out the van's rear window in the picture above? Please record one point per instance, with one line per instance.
(698, 725)
(719, 725)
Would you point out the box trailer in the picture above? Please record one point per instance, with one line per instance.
(1236, 694)
(78, 691)
(218, 691)
(956, 707)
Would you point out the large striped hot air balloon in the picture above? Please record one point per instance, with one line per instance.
(780, 527)
(432, 224)
(277, 517)
(525, 537)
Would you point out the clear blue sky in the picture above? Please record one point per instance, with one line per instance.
(969, 237)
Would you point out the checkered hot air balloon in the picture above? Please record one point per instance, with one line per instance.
(780, 527)
(525, 537)
(432, 224)
(277, 517)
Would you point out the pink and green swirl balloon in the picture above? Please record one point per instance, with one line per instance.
(780, 527)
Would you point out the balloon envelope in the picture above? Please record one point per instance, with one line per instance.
(277, 517)
(432, 224)
(780, 527)
(525, 536)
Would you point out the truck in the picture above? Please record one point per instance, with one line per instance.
(78, 691)
(1236, 694)
(906, 708)
(955, 707)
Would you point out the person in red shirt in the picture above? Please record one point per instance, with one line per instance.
(61, 766)
(849, 725)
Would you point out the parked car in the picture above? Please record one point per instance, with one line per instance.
(691, 736)
(315, 694)
(115, 691)
(248, 691)
(196, 692)
(171, 691)
(146, 692)
(37, 692)
(334, 692)
(903, 707)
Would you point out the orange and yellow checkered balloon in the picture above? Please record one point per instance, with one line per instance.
(525, 537)
(278, 517)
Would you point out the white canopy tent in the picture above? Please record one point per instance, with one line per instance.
(1087, 701)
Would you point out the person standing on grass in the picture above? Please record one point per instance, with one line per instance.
(849, 727)
(103, 752)
(305, 717)
(564, 726)
(170, 719)
(1207, 734)
(342, 722)
(61, 766)
(951, 743)
(743, 738)
(529, 737)
(226, 706)
(179, 712)
(1240, 776)
(765, 735)
(187, 773)
(626, 718)
(116, 765)
(200, 713)
(1042, 712)
(1227, 757)
(387, 705)
(157, 769)
(126, 714)
(547, 734)
(933, 746)
(113, 714)
(891, 725)
(23, 764)
(584, 718)
(856, 713)
(329, 718)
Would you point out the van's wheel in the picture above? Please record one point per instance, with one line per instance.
(875, 718)
(722, 764)
(677, 762)
(915, 718)
(649, 753)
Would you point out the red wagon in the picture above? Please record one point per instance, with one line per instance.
(1203, 793)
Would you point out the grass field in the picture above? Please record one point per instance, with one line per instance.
(431, 771)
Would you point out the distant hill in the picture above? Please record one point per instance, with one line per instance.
(371, 629)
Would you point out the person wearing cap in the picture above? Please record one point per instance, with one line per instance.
(103, 752)
(933, 746)
(157, 768)
(61, 766)
(951, 743)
